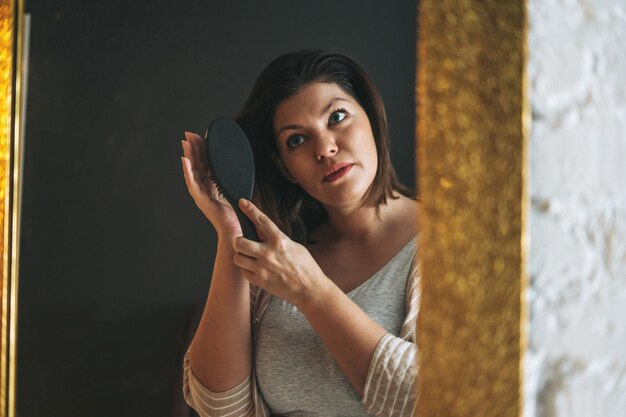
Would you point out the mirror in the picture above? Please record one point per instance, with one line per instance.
(80, 334)
(115, 259)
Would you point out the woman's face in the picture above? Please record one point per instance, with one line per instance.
(326, 144)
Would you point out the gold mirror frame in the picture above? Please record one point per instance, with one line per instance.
(472, 131)
(11, 122)
(473, 124)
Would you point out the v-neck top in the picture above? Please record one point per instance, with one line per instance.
(296, 374)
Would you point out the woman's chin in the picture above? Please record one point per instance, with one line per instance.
(344, 199)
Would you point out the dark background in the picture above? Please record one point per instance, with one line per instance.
(114, 253)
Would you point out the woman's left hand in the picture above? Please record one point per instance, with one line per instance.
(279, 265)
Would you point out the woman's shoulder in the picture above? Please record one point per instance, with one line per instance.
(405, 218)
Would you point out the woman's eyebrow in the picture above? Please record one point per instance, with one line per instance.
(330, 104)
(324, 111)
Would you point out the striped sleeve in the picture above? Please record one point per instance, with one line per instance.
(413, 300)
(390, 385)
(390, 389)
(236, 402)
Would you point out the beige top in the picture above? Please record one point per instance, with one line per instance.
(389, 390)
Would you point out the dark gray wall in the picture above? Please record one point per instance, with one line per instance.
(114, 253)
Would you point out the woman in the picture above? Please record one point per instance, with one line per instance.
(319, 317)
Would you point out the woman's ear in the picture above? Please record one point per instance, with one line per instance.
(283, 170)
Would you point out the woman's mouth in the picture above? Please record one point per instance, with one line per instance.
(337, 172)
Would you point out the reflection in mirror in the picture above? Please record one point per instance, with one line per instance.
(333, 274)
(116, 259)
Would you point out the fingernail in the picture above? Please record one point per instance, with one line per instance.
(188, 135)
(243, 202)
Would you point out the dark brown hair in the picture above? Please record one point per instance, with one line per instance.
(295, 212)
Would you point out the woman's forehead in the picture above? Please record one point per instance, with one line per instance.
(311, 99)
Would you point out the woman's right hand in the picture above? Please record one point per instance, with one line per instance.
(204, 191)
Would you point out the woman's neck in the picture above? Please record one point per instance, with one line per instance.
(359, 224)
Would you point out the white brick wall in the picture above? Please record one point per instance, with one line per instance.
(577, 356)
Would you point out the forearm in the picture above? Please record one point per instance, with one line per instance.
(350, 335)
(220, 353)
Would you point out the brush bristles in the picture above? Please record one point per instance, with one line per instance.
(214, 182)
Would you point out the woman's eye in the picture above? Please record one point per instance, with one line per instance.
(337, 116)
(295, 141)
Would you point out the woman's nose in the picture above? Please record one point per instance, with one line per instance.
(326, 146)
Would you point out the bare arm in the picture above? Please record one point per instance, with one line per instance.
(350, 335)
(220, 352)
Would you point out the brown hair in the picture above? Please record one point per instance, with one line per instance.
(295, 212)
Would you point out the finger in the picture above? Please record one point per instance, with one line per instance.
(263, 223)
(187, 148)
(198, 184)
(247, 247)
(190, 154)
(190, 151)
(193, 153)
(244, 262)
(190, 180)
(198, 146)
(193, 137)
(199, 175)
(191, 174)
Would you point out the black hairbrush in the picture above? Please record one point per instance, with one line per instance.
(231, 162)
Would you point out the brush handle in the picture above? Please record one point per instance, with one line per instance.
(247, 227)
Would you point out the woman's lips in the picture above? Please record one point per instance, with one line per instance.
(335, 175)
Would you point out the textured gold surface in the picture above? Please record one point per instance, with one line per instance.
(6, 61)
(10, 185)
(471, 150)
